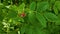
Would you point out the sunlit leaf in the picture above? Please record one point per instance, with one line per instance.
(55, 10)
(57, 4)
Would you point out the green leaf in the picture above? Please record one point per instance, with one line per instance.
(58, 21)
(37, 0)
(39, 31)
(2, 6)
(34, 30)
(12, 32)
(41, 19)
(1, 28)
(23, 28)
(55, 10)
(12, 7)
(52, 1)
(21, 8)
(29, 30)
(42, 6)
(57, 4)
(18, 19)
(33, 6)
(12, 14)
(31, 17)
(1, 15)
(51, 17)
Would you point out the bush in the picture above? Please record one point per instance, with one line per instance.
(29, 17)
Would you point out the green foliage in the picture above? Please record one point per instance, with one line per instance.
(41, 19)
(12, 14)
(58, 22)
(29, 16)
(55, 10)
(51, 17)
(57, 4)
(33, 6)
(42, 6)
